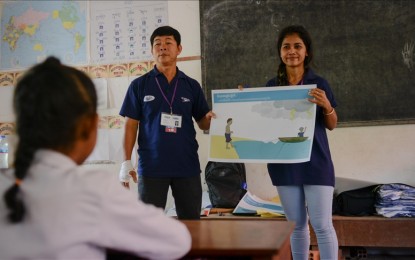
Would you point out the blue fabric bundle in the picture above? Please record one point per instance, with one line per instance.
(395, 200)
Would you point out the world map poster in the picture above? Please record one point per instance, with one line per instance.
(262, 125)
(34, 30)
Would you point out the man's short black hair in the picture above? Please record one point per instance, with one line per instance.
(166, 31)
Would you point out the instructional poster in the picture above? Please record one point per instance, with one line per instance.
(262, 125)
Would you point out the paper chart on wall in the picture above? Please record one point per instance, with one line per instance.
(262, 125)
(121, 30)
(109, 145)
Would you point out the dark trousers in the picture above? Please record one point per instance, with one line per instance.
(187, 194)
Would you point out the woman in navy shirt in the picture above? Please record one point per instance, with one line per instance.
(306, 189)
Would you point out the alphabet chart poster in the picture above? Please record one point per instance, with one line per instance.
(121, 30)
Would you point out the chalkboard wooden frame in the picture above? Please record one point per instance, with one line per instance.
(365, 49)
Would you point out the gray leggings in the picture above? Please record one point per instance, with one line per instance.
(314, 202)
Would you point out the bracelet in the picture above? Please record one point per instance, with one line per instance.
(332, 111)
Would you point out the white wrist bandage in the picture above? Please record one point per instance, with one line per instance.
(126, 168)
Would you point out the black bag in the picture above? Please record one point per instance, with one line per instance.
(226, 183)
(358, 202)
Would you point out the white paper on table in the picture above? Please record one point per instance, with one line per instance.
(251, 204)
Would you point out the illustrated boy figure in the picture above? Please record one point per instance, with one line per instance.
(228, 133)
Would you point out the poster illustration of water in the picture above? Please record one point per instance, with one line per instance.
(262, 125)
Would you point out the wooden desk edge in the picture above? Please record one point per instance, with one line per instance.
(368, 231)
(245, 248)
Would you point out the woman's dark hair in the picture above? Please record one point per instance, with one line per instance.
(166, 31)
(49, 100)
(305, 36)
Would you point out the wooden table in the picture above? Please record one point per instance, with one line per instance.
(265, 239)
(366, 231)
(373, 231)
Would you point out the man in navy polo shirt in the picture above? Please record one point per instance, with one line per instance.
(160, 107)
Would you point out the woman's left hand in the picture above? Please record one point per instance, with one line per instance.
(320, 99)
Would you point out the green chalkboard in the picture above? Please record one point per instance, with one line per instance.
(365, 49)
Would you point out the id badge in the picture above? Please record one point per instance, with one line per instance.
(171, 120)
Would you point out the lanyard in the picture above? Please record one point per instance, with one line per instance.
(165, 98)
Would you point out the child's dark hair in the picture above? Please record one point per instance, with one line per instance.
(49, 100)
(305, 36)
(166, 31)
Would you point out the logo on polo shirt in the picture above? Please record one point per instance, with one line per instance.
(185, 100)
(148, 98)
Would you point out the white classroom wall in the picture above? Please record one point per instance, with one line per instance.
(376, 154)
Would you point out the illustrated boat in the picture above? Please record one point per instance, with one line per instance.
(294, 139)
